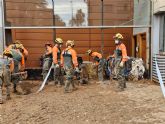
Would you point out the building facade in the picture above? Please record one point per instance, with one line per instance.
(74, 13)
(158, 27)
(158, 37)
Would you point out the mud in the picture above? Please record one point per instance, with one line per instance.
(141, 103)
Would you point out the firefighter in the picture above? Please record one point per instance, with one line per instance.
(17, 44)
(98, 60)
(120, 55)
(6, 67)
(56, 61)
(47, 59)
(70, 64)
(19, 65)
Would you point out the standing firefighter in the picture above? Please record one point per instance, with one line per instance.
(120, 55)
(47, 59)
(70, 65)
(97, 57)
(56, 61)
(6, 67)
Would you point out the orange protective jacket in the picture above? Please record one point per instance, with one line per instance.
(22, 57)
(123, 49)
(25, 52)
(55, 52)
(73, 55)
(94, 55)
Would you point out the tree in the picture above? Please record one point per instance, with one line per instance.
(79, 19)
(59, 21)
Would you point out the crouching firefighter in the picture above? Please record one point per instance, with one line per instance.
(97, 57)
(47, 59)
(6, 67)
(58, 76)
(19, 65)
(120, 55)
(70, 65)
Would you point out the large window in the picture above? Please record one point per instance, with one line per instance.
(162, 34)
(68, 12)
(71, 12)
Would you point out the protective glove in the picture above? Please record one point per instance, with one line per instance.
(57, 65)
(77, 70)
(121, 64)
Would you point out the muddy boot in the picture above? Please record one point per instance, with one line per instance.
(67, 91)
(8, 97)
(15, 91)
(74, 89)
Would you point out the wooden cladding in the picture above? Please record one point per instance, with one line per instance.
(85, 39)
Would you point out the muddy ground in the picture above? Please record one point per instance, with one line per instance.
(141, 103)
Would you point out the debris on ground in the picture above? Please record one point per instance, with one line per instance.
(90, 104)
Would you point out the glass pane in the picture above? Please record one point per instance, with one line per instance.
(72, 13)
(142, 12)
(28, 12)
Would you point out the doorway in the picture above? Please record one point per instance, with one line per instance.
(139, 46)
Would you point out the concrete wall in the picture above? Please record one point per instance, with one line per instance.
(158, 11)
(142, 17)
(1, 31)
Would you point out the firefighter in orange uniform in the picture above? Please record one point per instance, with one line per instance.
(56, 61)
(120, 55)
(70, 64)
(97, 57)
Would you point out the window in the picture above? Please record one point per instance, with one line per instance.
(67, 13)
(72, 13)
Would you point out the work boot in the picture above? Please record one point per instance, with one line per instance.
(16, 92)
(74, 89)
(8, 97)
(67, 91)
